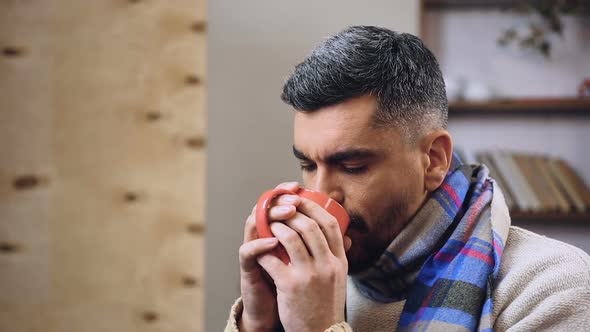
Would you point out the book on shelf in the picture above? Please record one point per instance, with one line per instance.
(534, 183)
(525, 198)
(484, 158)
(576, 181)
(562, 203)
(503, 171)
(566, 184)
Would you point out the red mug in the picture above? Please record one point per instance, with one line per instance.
(262, 222)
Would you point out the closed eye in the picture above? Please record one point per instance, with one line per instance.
(307, 167)
(354, 170)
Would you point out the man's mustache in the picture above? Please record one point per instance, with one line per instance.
(357, 222)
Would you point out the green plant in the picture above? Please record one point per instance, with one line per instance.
(537, 37)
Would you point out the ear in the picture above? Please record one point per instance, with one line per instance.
(437, 151)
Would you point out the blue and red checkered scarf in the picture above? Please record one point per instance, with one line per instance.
(444, 261)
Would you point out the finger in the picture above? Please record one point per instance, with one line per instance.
(250, 232)
(313, 237)
(284, 207)
(287, 200)
(272, 265)
(292, 242)
(249, 251)
(282, 212)
(328, 224)
(347, 243)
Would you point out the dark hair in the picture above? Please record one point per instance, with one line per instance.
(397, 68)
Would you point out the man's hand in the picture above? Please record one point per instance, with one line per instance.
(259, 301)
(311, 291)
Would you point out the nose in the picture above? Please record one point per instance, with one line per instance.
(325, 182)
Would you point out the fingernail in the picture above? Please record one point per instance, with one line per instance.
(285, 209)
(270, 240)
(287, 184)
(290, 199)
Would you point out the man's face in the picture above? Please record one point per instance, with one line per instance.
(375, 175)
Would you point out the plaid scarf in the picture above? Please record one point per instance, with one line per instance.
(444, 261)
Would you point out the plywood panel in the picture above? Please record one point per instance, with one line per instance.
(102, 156)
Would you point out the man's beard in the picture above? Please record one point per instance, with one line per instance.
(369, 243)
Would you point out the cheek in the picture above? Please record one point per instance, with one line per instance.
(377, 193)
(372, 204)
(306, 179)
(414, 189)
(387, 204)
(408, 184)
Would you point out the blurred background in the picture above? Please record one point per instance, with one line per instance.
(136, 136)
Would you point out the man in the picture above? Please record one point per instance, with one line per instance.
(429, 247)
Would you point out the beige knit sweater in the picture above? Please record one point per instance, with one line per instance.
(543, 285)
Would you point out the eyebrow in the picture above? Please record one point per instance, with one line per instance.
(341, 156)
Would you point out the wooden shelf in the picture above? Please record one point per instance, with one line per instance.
(549, 106)
(583, 6)
(552, 218)
(469, 4)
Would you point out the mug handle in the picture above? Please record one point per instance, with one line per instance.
(262, 222)
(262, 225)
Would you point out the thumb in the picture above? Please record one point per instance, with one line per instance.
(347, 243)
(250, 250)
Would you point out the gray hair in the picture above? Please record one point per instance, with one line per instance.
(397, 68)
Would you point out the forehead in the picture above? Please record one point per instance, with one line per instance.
(337, 127)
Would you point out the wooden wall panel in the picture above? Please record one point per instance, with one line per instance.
(102, 165)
